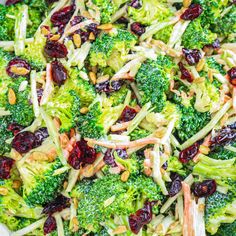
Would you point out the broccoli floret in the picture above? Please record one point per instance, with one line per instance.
(213, 64)
(227, 229)
(7, 20)
(4, 135)
(150, 11)
(65, 105)
(13, 206)
(118, 97)
(40, 186)
(5, 57)
(220, 208)
(220, 153)
(196, 36)
(109, 49)
(139, 133)
(164, 34)
(174, 165)
(191, 122)
(84, 89)
(153, 81)
(100, 117)
(227, 24)
(108, 196)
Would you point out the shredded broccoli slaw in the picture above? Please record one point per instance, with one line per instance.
(118, 117)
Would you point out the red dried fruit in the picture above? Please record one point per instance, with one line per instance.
(192, 56)
(175, 185)
(63, 16)
(6, 165)
(39, 94)
(18, 63)
(185, 74)
(58, 204)
(11, 2)
(15, 128)
(122, 153)
(128, 114)
(50, 225)
(204, 188)
(122, 20)
(81, 154)
(232, 75)
(93, 28)
(59, 73)
(214, 45)
(141, 217)
(137, 28)
(192, 12)
(135, 4)
(40, 135)
(224, 137)
(109, 158)
(189, 153)
(23, 142)
(55, 49)
(76, 20)
(108, 87)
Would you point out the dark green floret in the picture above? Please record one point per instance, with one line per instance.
(40, 186)
(139, 133)
(153, 81)
(227, 229)
(220, 153)
(220, 208)
(126, 198)
(109, 49)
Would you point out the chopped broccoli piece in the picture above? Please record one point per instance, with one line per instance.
(108, 196)
(109, 50)
(101, 116)
(164, 34)
(196, 36)
(213, 64)
(220, 208)
(153, 81)
(40, 186)
(150, 11)
(118, 97)
(174, 165)
(14, 206)
(227, 229)
(220, 153)
(139, 133)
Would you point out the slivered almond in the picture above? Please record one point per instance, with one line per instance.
(64, 140)
(119, 230)
(204, 149)
(11, 96)
(84, 110)
(105, 26)
(52, 153)
(187, 3)
(75, 223)
(102, 79)
(210, 75)
(91, 36)
(55, 37)
(65, 184)
(92, 77)
(19, 70)
(75, 201)
(3, 191)
(125, 176)
(45, 31)
(39, 156)
(16, 184)
(200, 64)
(77, 40)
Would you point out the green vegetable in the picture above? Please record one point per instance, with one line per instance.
(40, 186)
(227, 229)
(174, 165)
(109, 49)
(139, 133)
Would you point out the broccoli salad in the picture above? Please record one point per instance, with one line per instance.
(118, 117)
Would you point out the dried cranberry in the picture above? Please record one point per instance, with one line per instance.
(51, 1)
(50, 225)
(232, 75)
(135, 4)
(58, 204)
(189, 153)
(214, 45)
(59, 73)
(141, 217)
(185, 74)
(11, 2)
(103, 87)
(23, 142)
(17, 62)
(93, 28)
(204, 188)
(39, 94)
(178, 5)
(76, 20)
(62, 17)
(224, 137)
(122, 20)
(55, 49)
(165, 166)
(15, 128)
(192, 12)
(122, 153)
(192, 56)
(40, 135)
(84, 35)
(116, 85)
(109, 158)
(175, 185)
(81, 154)
(6, 165)
(232, 126)
(137, 28)
(128, 114)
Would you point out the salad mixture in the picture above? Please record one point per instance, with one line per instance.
(118, 117)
